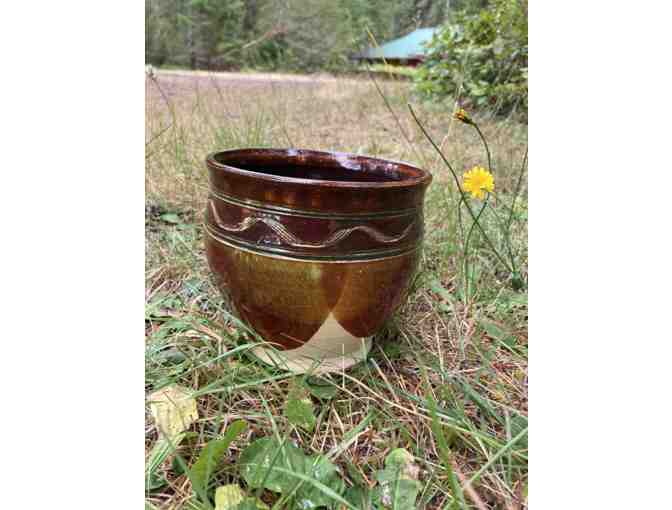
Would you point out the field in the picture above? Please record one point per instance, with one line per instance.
(446, 379)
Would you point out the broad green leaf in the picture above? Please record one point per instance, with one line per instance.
(212, 453)
(320, 469)
(299, 408)
(399, 486)
(400, 459)
(171, 218)
(321, 389)
(323, 489)
(399, 494)
(173, 409)
(267, 462)
(359, 496)
(256, 461)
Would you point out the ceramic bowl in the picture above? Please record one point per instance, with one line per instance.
(313, 250)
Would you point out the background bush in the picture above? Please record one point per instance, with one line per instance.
(480, 55)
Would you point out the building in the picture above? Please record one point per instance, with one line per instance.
(406, 50)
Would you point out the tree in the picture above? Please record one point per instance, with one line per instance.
(295, 34)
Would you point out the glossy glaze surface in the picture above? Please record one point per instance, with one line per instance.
(307, 244)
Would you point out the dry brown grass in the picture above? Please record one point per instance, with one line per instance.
(438, 346)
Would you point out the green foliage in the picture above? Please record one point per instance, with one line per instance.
(482, 57)
(299, 408)
(398, 483)
(313, 481)
(322, 389)
(212, 454)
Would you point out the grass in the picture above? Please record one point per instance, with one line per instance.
(388, 70)
(446, 379)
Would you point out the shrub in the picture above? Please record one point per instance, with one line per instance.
(482, 57)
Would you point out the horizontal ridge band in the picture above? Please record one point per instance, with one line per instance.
(262, 206)
(295, 254)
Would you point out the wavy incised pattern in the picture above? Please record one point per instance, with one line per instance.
(289, 238)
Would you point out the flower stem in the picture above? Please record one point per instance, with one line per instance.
(459, 187)
(507, 238)
(485, 143)
(466, 250)
(517, 191)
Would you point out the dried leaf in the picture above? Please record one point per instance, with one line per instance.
(232, 497)
(227, 497)
(173, 409)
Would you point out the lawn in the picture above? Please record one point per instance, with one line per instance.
(447, 378)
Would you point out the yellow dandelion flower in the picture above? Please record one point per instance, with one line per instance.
(477, 181)
(463, 116)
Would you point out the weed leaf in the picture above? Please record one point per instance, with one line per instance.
(322, 470)
(314, 480)
(257, 459)
(299, 408)
(212, 453)
(171, 218)
(360, 497)
(321, 389)
(399, 486)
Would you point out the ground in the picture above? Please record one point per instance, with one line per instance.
(446, 379)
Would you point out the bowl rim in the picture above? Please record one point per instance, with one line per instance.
(422, 178)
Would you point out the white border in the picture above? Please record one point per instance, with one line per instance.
(73, 245)
(600, 177)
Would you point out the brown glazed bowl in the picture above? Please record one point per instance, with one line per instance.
(313, 250)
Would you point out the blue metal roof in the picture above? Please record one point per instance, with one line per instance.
(406, 47)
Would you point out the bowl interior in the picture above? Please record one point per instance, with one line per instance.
(318, 166)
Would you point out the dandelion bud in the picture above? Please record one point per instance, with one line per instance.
(463, 116)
